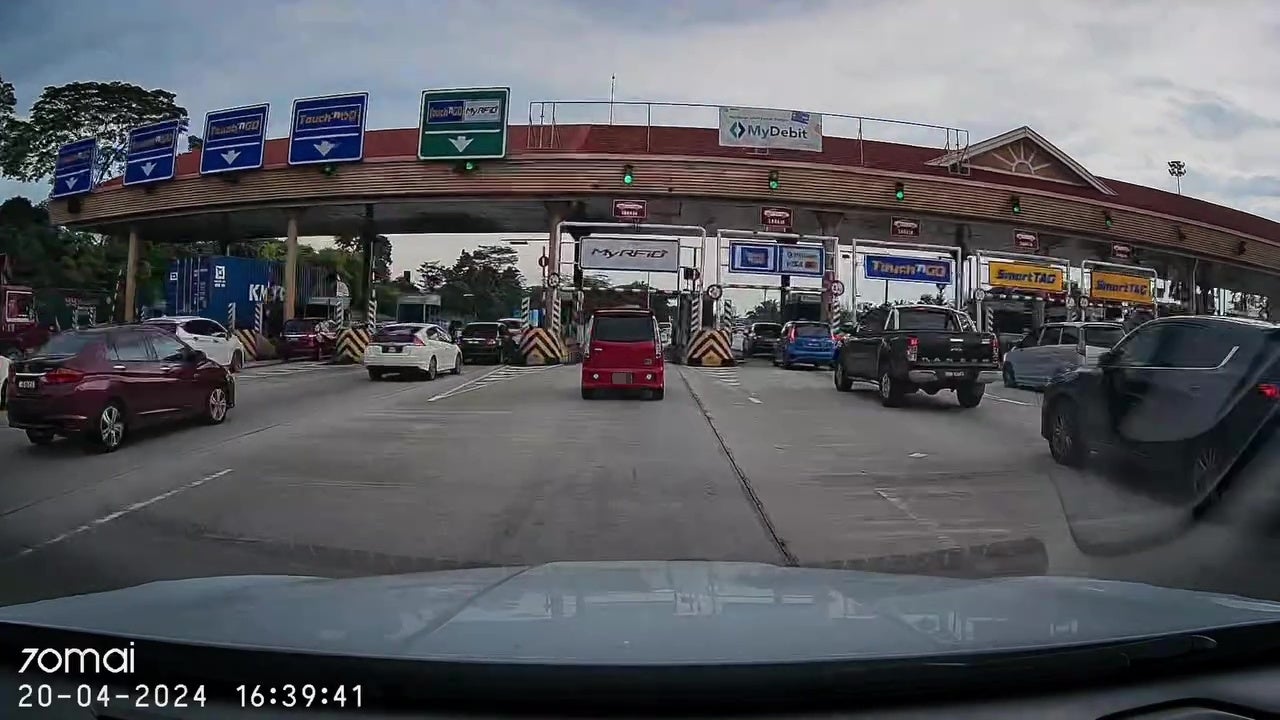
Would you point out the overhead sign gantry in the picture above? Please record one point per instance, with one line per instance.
(932, 264)
(1112, 290)
(755, 252)
(1020, 292)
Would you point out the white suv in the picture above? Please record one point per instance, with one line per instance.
(204, 334)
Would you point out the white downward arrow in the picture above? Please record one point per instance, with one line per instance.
(71, 181)
(324, 146)
(461, 142)
(146, 169)
(230, 156)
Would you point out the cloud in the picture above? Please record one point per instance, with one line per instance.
(1122, 86)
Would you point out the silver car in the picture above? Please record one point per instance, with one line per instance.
(1056, 348)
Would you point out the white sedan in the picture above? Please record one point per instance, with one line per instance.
(207, 335)
(416, 348)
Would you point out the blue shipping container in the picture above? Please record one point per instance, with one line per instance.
(217, 286)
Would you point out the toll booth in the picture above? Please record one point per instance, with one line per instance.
(802, 305)
(935, 265)
(781, 255)
(1014, 293)
(333, 309)
(1120, 293)
(418, 308)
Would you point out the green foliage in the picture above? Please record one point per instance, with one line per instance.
(766, 311)
(351, 245)
(485, 282)
(65, 113)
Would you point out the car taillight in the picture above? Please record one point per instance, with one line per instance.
(791, 336)
(913, 349)
(995, 348)
(1269, 391)
(491, 341)
(418, 341)
(63, 376)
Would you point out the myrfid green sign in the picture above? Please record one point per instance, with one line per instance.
(463, 124)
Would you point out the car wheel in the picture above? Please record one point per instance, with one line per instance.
(588, 394)
(375, 374)
(657, 394)
(844, 383)
(1202, 462)
(431, 368)
(40, 437)
(457, 364)
(1065, 444)
(969, 395)
(1009, 380)
(108, 431)
(215, 406)
(890, 391)
(237, 362)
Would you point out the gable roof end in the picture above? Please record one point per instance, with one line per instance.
(1023, 133)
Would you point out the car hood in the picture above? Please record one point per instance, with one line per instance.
(630, 613)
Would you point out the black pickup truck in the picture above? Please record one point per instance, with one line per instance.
(906, 348)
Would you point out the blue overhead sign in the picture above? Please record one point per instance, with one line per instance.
(234, 139)
(73, 169)
(907, 269)
(756, 258)
(328, 129)
(152, 153)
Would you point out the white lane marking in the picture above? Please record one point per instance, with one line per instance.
(755, 400)
(120, 513)
(1011, 402)
(902, 506)
(498, 374)
(918, 455)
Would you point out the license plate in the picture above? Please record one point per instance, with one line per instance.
(390, 348)
(956, 373)
(622, 378)
(26, 384)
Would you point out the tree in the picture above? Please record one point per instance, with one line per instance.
(194, 143)
(766, 311)
(352, 244)
(594, 282)
(931, 299)
(432, 275)
(65, 113)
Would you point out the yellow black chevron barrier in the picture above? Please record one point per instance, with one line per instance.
(539, 347)
(249, 339)
(351, 345)
(710, 348)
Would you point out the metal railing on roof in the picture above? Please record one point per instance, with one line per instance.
(548, 118)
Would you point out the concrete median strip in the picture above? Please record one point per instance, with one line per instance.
(94, 524)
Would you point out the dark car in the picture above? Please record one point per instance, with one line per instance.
(489, 341)
(101, 384)
(311, 338)
(1184, 397)
(623, 351)
(762, 338)
(906, 348)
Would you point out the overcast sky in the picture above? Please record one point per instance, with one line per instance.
(1121, 86)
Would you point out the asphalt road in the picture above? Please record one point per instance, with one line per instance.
(319, 471)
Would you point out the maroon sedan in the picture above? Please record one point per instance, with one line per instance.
(311, 338)
(100, 384)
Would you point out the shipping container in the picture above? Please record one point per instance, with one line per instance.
(217, 286)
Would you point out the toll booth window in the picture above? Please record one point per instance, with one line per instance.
(636, 328)
(1050, 336)
(1070, 335)
(1102, 336)
(927, 320)
(19, 306)
(487, 330)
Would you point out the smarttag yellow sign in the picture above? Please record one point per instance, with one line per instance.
(1120, 287)
(1026, 277)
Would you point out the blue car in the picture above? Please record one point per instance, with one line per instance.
(805, 342)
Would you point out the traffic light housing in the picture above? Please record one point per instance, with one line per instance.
(628, 175)
(328, 169)
(774, 181)
(466, 166)
(1106, 217)
(1015, 204)
(900, 191)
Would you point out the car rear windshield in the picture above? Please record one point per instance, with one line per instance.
(812, 330)
(68, 344)
(486, 330)
(926, 320)
(768, 330)
(395, 334)
(1102, 337)
(625, 328)
(300, 327)
(513, 324)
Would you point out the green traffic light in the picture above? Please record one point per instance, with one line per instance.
(901, 195)
(628, 179)
(1017, 206)
(469, 166)
(773, 184)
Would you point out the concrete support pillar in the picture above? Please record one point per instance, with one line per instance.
(131, 276)
(557, 212)
(829, 224)
(368, 241)
(291, 266)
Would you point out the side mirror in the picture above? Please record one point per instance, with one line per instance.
(196, 356)
(1107, 358)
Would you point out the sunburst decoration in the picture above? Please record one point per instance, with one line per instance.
(1022, 159)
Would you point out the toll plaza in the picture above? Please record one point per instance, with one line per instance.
(649, 248)
(1015, 293)
(929, 264)
(782, 255)
(1122, 293)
